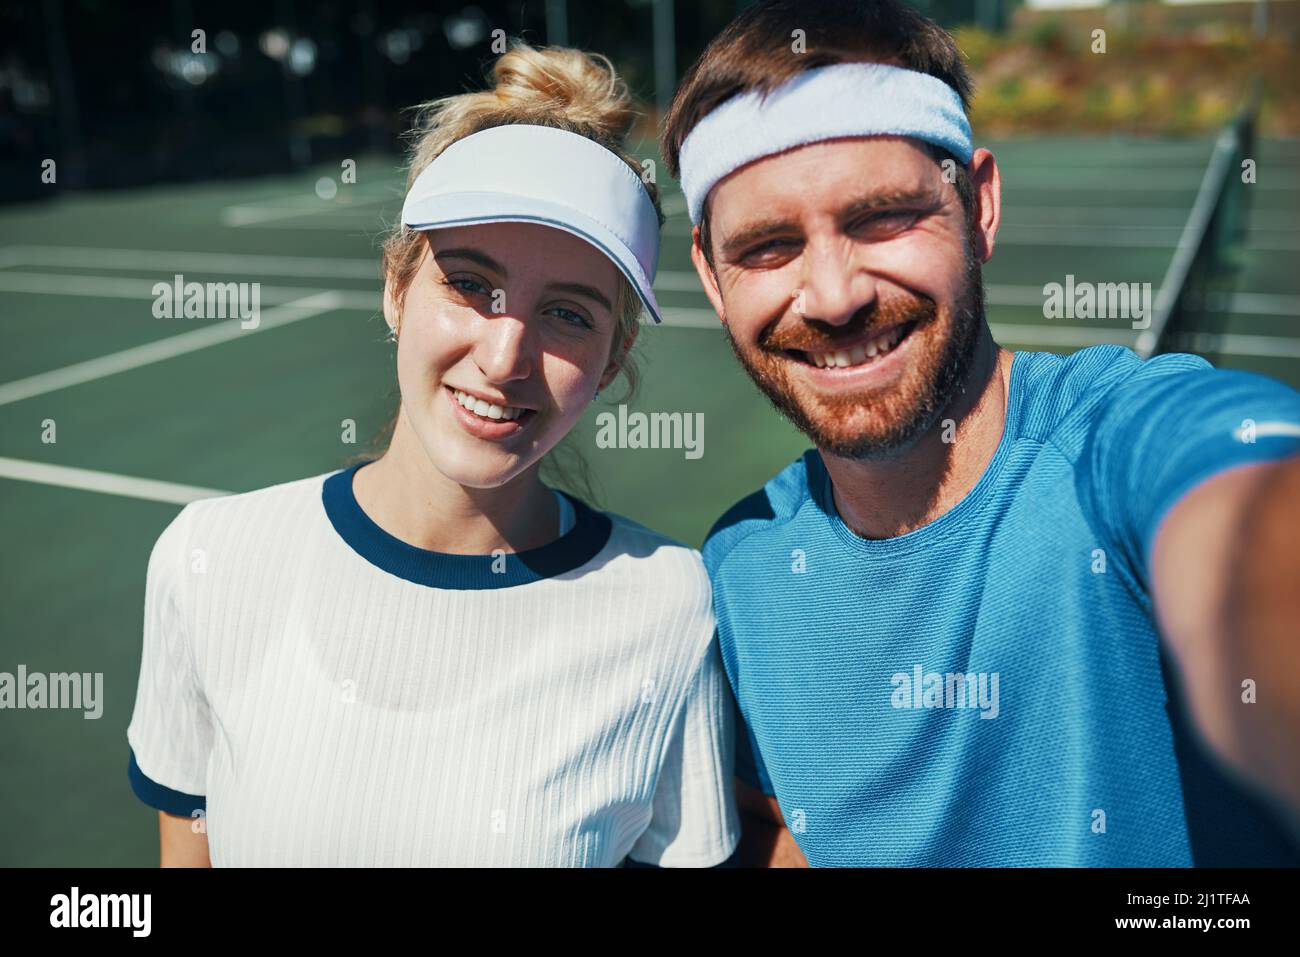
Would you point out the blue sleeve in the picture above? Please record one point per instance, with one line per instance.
(1170, 427)
(722, 537)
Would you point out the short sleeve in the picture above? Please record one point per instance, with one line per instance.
(694, 820)
(1169, 428)
(170, 734)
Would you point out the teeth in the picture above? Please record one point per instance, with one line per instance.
(487, 409)
(858, 354)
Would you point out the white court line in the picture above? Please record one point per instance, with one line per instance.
(688, 317)
(1255, 303)
(1242, 303)
(137, 356)
(111, 287)
(1039, 235)
(681, 280)
(1047, 336)
(106, 482)
(156, 260)
(1063, 336)
(1237, 344)
(1095, 236)
(357, 223)
(297, 204)
(352, 268)
(672, 281)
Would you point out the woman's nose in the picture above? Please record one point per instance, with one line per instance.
(504, 352)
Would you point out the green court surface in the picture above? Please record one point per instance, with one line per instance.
(229, 409)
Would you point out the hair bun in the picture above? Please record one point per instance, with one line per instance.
(581, 89)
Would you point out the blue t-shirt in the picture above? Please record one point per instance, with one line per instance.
(990, 689)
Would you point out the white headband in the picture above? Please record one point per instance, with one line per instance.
(536, 174)
(824, 103)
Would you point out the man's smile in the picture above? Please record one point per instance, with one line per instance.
(862, 351)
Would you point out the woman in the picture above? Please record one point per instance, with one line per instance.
(434, 658)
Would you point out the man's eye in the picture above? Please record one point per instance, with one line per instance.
(765, 248)
(886, 221)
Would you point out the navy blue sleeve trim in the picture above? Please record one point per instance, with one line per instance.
(163, 798)
(753, 505)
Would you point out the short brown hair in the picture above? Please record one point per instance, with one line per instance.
(755, 51)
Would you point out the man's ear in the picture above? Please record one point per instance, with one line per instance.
(987, 183)
(708, 279)
(616, 361)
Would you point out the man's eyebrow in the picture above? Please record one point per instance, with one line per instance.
(891, 199)
(753, 233)
(472, 255)
(582, 289)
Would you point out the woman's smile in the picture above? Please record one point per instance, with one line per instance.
(487, 420)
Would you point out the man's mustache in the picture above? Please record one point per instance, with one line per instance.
(881, 316)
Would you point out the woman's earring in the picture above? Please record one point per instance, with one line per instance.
(596, 396)
(392, 334)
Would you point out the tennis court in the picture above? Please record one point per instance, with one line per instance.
(146, 413)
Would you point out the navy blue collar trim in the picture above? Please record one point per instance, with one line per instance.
(590, 532)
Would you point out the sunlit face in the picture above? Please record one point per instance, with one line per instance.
(513, 315)
(849, 288)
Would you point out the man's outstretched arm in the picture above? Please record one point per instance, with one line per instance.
(1225, 575)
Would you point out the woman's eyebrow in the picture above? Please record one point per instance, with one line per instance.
(582, 289)
(474, 256)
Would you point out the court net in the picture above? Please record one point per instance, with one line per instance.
(1197, 286)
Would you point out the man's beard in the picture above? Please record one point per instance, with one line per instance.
(868, 425)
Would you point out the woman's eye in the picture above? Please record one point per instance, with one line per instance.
(569, 316)
(468, 285)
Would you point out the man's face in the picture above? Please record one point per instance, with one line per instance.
(849, 288)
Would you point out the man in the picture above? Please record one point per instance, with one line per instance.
(1014, 609)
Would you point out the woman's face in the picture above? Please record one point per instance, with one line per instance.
(505, 336)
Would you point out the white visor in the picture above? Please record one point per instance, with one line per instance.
(536, 174)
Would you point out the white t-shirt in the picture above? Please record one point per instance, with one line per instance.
(323, 693)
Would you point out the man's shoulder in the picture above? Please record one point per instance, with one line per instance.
(1056, 391)
(776, 503)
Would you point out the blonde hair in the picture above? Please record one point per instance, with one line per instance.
(548, 86)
